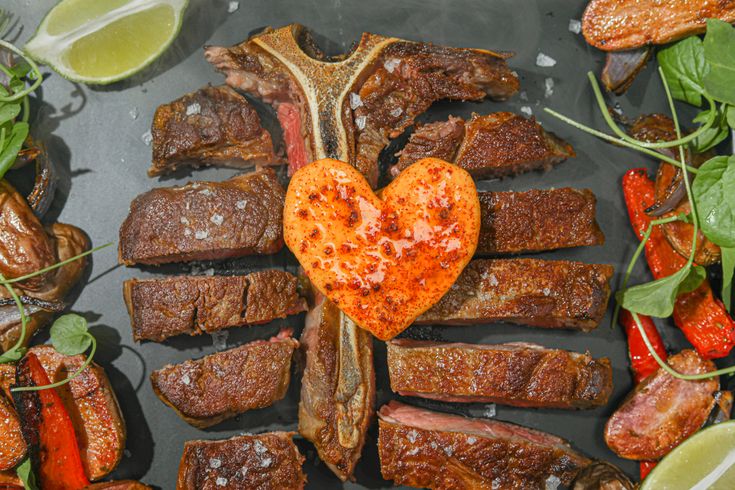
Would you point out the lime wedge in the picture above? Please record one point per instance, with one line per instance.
(705, 461)
(102, 41)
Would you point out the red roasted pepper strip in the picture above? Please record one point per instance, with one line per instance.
(701, 317)
(59, 464)
(642, 362)
(645, 468)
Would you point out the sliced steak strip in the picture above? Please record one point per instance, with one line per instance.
(492, 146)
(663, 411)
(517, 374)
(338, 387)
(268, 461)
(349, 107)
(219, 386)
(425, 449)
(540, 293)
(205, 221)
(193, 305)
(212, 126)
(537, 220)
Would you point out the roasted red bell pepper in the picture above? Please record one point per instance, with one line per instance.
(701, 317)
(49, 431)
(645, 468)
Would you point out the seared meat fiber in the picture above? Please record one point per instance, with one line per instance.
(518, 374)
(663, 411)
(192, 305)
(541, 293)
(425, 449)
(338, 387)
(12, 445)
(212, 126)
(205, 221)
(488, 147)
(537, 220)
(349, 109)
(616, 25)
(269, 461)
(219, 386)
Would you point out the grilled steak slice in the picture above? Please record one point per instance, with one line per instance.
(518, 374)
(269, 461)
(348, 109)
(537, 220)
(491, 146)
(420, 448)
(193, 305)
(219, 386)
(338, 387)
(205, 221)
(616, 25)
(12, 445)
(662, 411)
(212, 126)
(540, 293)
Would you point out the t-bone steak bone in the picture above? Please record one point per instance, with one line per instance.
(348, 107)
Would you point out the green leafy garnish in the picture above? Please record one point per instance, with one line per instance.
(685, 67)
(25, 473)
(719, 81)
(715, 134)
(714, 193)
(657, 298)
(728, 267)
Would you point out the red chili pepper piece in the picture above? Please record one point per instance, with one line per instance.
(642, 362)
(646, 467)
(59, 462)
(701, 317)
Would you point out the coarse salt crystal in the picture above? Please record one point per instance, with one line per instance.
(241, 205)
(215, 463)
(219, 339)
(232, 7)
(201, 234)
(133, 113)
(412, 435)
(548, 87)
(266, 463)
(187, 231)
(552, 482)
(193, 108)
(355, 101)
(221, 482)
(546, 291)
(545, 61)
(184, 220)
(471, 440)
(527, 110)
(147, 138)
(217, 219)
(391, 64)
(396, 112)
(186, 380)
(492, 280)
(490, 411)
(259, 447)
(575, 26)
(205, 192)
(360, 122)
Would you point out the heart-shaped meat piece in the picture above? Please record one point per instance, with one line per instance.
(383, 259)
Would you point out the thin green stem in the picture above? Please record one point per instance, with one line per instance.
(23, 318)
(52, 267)
(35, 74)
(26, 109)
(669, 369)
(618, 141)
(64, 381)
(646, 144)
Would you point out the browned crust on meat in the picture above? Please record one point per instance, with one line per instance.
(12, 445)
(212, 126)
(439, 139)
(540, 293)
(522, 375)
(663, 411)
(205, 220)
(537, 220)
(269, 461)
(222, 385)
(338, 387)
(453, 458)
(91, 403)
(193, 305)
(616, 25)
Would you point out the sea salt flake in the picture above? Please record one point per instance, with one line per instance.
(232, 7)
(413, 451)
(217, 219)
(215, 463)
(201, 234)
(492, 280)
(523, 95)
(241, 205)
(244, 470)
(490, 411)
(575, 26)
(260, 448)
(412, 435)
(205, 192)
(527, 110)
(548, 87)
(546, 291)
(266, 463)
(147, 138)
(186, 380)
(360, 122)
(187, 231)
(355, 101)
(448, 450)
(396, 112)
(193, 108)
(133, 113)
(545, 61)
(552, 482)
(391, 64)
(184, 220)
(221, 482)
(471, 440)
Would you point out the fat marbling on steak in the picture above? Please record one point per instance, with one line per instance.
(338, 387)
(349, 107)
(425, 449)
(222, 385)
(540, 293)
(537, 220)
(517, 374)
(212, 126)
(205, 221)
(193, 305)
(488, 147)
(268, 461)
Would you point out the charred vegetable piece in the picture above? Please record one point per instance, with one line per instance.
(642, 362)
(622, 67)
(12, 445)
(601, 475)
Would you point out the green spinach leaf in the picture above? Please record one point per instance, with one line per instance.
(8, 112)
(657, 298)
(713, 190)
(13, 146)
(685, 68)
(719, 52)
(715, 134)
(69, 335)
(731, 116)
(728, 267)
(25, 473)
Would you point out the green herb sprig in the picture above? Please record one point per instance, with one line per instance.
(692, 71)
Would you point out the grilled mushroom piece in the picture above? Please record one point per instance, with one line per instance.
(601, 475)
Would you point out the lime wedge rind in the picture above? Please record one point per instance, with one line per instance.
(52, 49)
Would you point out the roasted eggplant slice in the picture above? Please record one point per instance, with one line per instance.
(601, 475)
(622, 67)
